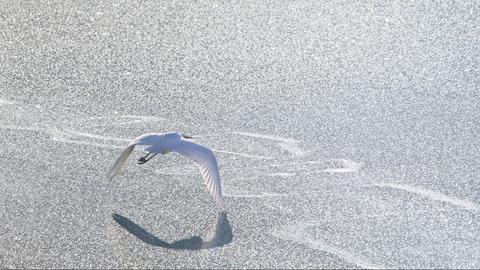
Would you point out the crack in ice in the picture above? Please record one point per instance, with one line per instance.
(287, 144)
(296, 233)
(433, 195)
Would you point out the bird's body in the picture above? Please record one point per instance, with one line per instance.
(162, 143)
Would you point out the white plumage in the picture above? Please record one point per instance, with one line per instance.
(163, 143)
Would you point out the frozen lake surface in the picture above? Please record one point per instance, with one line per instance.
(346, 134)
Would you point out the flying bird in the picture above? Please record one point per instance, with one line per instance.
(163, 143)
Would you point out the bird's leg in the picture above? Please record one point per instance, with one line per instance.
(144, 159)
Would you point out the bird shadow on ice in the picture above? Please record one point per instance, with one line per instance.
(217, 234)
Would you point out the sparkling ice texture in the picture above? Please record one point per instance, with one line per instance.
(347, 133)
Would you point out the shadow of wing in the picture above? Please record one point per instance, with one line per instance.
(218, 234)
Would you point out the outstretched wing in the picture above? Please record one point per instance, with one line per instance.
(120, 161)
(207, 163)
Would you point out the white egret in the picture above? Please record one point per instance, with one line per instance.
(164, 143)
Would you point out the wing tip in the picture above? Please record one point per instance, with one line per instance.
(110, 177)
(120, 161)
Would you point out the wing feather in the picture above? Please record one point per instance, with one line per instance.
(120, 161)
(206, 162)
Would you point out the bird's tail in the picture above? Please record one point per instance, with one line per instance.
(120, 161)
